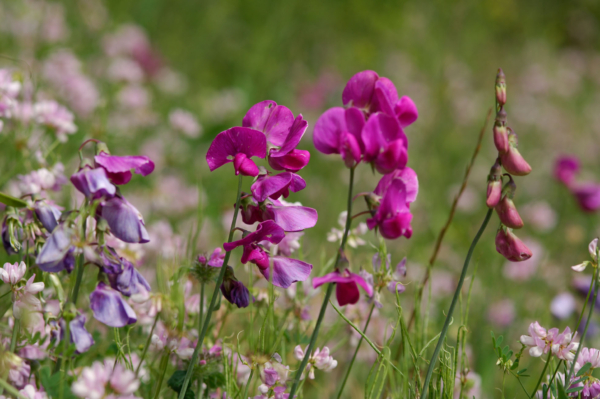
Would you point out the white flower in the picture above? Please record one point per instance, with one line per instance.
(12, 273)
(592, 248)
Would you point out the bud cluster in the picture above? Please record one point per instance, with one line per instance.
(499, 196)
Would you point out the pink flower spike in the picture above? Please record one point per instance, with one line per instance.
(118, 168)
(229, 144)
(346, 289)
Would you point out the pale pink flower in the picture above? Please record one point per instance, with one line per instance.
(55, 116)
(320, 359)
(541, 341)
(185, 122)
(30, 392)
(12, 273)
(592, 247)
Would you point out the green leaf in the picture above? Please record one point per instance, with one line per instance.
(499, 341)
(561, 391)
(584, 369)
(51, 384)
(576, 389)
(175, 382)
(9, 200)
(521, 371)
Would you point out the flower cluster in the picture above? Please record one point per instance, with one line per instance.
(499, 197)
(106, 380)
(541, 341)
(320, 360)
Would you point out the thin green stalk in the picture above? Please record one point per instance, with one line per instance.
(355, 353)
(587, 322)
(15, 335)
(330, 286)
(248, 383)
(63, 369)
(213, 301)
(555, 371)
(163, 369)
(453, 305)
(80, 261)
(137, 370)
(541, 375)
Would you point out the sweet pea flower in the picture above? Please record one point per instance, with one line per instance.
(125, 221)
(385, 143)
(393, 216)
(338, 131)
(234, 291)
(512, 160)
(47, 214)
(267, 186)
(587, 196)
(346, 290)
(58, 252)
(286, 271)
(93, 183)
(287, 157)
(510, 246)
(118, 168)
(565, 169)
(506, 209)
(237, 145)
(110, 308)
(291, 217)
(82, 339)
(13, 273)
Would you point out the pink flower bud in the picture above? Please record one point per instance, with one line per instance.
(506, 208)
(494, 190)
(500, 87)
(500, 137)
(513, 161)
(510, 246)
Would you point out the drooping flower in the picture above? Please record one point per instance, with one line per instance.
(385, 143)
(118, 168)
(512, 160)
(347, 283)
(82, 339)
(93, 183)
(125, 221)
(110, 308)
(233, 290)
(506, 209)
(58, 252)
(494, 188)
(510, 246)
(237, 145)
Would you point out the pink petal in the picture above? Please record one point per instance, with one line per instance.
(272, 119)
(327, 131)
(359, 89)
(347, 293)
(385, 97)
(293, 161)
(406, 111)
(267, 230)
(234, 141)
(293, 218)
(379, 130)
(293, 138)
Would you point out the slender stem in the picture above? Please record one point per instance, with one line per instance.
(438, 347)
(587, 322)
(248, 383)
(355, 353)
(15, 335)
(554, 375)
(137, 370)
(164, 363)
(313, 338)
(541, 375)
(63, 369)
(213, 301)
(80, 261)
(12, 390)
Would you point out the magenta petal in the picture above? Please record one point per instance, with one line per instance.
(119, 178)
(272, 119)
(292, 161)
(115, 164)
(380, 130)
(347, 278)
(407, 175)
(327, 131)
(237, 140)
(293, 138)
(287, 271)
(293, 218)
(565, 169)
(588, 196)
(394, 200)
(242, 164)
(386, 97)
(396, 226)
(347, 293)
(350, 150)
(298, 183)
(267, 230)
(265, 186)
(394, 156)
(359, 89)
(355, 121)
(406, 111)
(258, 115)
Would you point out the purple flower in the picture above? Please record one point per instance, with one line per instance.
(215, 260)
(285, 271)
(338, 131)
(275, 121)
(346, 289)
(125, 221)
(393, 216)
(237, 145)
(47, 214)
(267, 186)
(565, 169)
(57, 252)
(119, 168)
(587, 196)
(233, 290)
(287, 157)
(93, 183)
(110, 308)
(82, 339)
(128, 281)
(290, 217)
(385, 143)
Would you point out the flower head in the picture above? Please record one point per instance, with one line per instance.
(13, 273)
(346, 290)
(110, 308)
(237, 145)
(510, 246)
(125, 221)
(118, 168)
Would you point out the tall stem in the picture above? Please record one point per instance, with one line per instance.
(148, 341)
(248, 383)
(355, 353)
(213, 301)
(438, 347)
(541, 375)
(80, 262)
(330, 286)
(587, 322)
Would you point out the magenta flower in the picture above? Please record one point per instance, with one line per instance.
(385, 143)
(267, 186)
(290, 217)
(215, 259)
(110, 308)
(93, 183)
(393, 216)
(338, 131)
(287, 157)
(285, 271)
(512, 160)
(234, 291)
(275, 121)
(125, 221)
(587, 196)
(119, 168)
(346, 289)
(510, 246)
(565, 169)
(237, 145)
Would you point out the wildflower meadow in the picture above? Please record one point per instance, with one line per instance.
(277, 200)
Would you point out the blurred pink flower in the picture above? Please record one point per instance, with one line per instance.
(502, 313)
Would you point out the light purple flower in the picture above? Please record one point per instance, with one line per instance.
(101, 378)
(110, 308)
(13, 273)
(118, 168)
(267, 186)
(48, 214)
(93, 183)
(237, 145)
(185, 122)
(125, 221)
(79, 335)
(216, 259)
(58, 252)
(563, 305)
(541, 341)
(346, 290)
(128, 281)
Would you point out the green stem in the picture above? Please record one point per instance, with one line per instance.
(541, 375)
(555, 371)
(15, 335)
(587, 322)
(213, 301)
(80, 261)
(355, 353)
(63, 369)
(313, 338)
(10, 389)
(438, 347)
(248, 383)
(163, 369)
(137, 370)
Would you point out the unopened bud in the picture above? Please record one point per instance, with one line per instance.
(233, 290)
(500, 88)
(506, 209)
(510, 246)
(494, 188)
(500, 137)
(513, 161)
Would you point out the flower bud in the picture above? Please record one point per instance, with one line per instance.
(500, 137)
(494, 189)
(506, 209)
(513, 161)
(244, 165)
(234, 291)
(510, 246)
(500, 88)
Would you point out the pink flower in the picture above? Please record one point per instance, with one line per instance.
(267, 186)
(338, 131)
(118, 168)
(237, 145)
(12, 273)
(55, 116)
(346, 290)
(289, 216)
(565, 169)
(185, 122)
(541, 341)
(510, 246)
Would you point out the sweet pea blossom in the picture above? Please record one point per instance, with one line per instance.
(93, 183)
(237, 145)
(346, 290)
(338, 131)
(110, 308)
(118, 168)
(565, 169)
(58, 252)
(290, 216)
(125, 221)
(267, 186)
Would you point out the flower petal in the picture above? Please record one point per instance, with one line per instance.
(327, 131)
(359, 89)
(287, 271)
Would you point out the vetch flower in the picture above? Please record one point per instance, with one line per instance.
(565, 169)
(510, 246)
(353, 239)
(110, 308)
(591, 385)
(541, 341)
(506, 209)
(338, 131)
(346, 290)
(58, 252)
(125, 221)
(234, 291)
(47, 214)
(82, 339)
(319, 359)
(237, 145)
(13, 273)
(118, 168)
(267, 186)
(512, 160)
(93, 183)
(289, 216)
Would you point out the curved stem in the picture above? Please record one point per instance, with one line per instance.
(438, 347)
(213, 301)
(313, 338)
(541, 375)
(355, 353)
